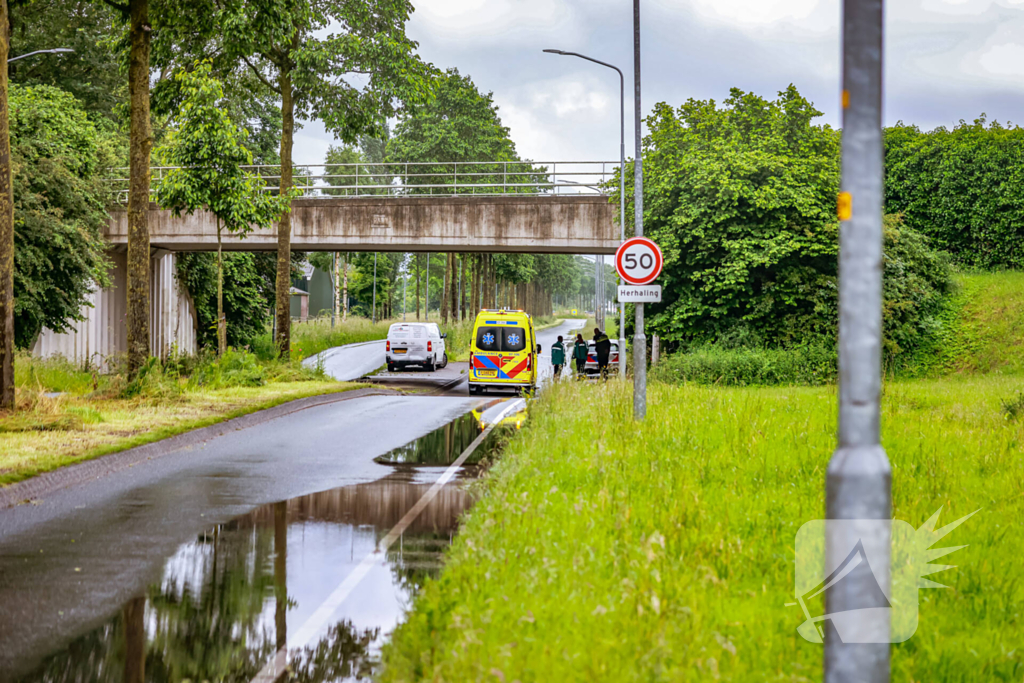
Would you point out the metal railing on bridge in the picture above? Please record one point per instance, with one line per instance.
(418, 179)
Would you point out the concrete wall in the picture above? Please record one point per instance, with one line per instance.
(569, 224)
(103, 332)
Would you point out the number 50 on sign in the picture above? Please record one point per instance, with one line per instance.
(638, 261)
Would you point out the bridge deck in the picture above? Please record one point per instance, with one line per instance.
(569, 224)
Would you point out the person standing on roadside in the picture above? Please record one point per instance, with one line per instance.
(558, 357)
(579, 354)
(603, 349)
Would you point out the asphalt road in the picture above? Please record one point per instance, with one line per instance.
(74, 557)
(71, 558)
(353, 361)
(345, 363)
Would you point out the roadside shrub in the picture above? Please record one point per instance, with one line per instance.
(813, 364)
(233, 369)
(1013, 408)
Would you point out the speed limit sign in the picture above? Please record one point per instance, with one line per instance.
(638, 261)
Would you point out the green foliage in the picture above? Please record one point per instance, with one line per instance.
(812, 365)
(90, 73)
(961, 187)
(248, 293)
(459, 124)
(350, 64)
(57, 159)
(607, 549)
(1013, 408)
(208, 153)
(741, 200)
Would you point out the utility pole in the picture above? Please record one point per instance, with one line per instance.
(405, 285)
(859, 479)
(639, 340)
(426, 312)
(373, 314)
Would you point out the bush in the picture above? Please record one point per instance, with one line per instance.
(813, 364)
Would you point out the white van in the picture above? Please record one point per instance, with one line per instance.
(415, 344)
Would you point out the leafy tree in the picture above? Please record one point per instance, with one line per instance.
(58, 159)
(347, 64)
(460, 124)
(6, 229)
(207, 152)
(134, 16)
(741, 200)
(90, 73)
(962, 188)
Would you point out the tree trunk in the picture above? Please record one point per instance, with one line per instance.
(463, 290)
(140, 142)
(6, 230)
(454, 291)
(222, 323)
(284, 225)
(337, 297)
(133, 616)
(344, 291)
(445, 287)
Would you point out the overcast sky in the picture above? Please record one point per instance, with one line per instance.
(946, 60)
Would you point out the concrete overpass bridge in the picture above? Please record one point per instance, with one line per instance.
(530, 207)
(553, 207)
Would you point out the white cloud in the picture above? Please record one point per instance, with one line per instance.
(1004, 60)
(757, 11)
(945, 60)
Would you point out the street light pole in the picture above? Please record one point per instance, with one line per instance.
(639, 339)
(39, 52)
(859, 479)
(622, 187)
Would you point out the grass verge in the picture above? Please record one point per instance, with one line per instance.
(67, 414)
(607, 550)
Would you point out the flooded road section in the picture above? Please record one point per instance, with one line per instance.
(230, 598)
(272, 581)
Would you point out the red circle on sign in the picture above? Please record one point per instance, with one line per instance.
(638, 261)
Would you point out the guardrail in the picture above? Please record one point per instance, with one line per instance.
(438, 179)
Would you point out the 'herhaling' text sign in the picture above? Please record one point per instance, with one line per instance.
(643, 294)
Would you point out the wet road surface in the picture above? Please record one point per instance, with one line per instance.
(234, 593)
(162, 553)
(74, 558)
(349, 362)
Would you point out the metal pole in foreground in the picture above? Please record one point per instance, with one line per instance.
(859, 480)
(426, 306)
(639, 340)
(405, 286)
(373, 315)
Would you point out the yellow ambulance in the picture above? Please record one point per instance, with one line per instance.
(503, 353)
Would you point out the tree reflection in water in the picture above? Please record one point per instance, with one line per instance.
(222, 607)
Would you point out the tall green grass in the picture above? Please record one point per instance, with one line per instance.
(607, 550)
(812, 365)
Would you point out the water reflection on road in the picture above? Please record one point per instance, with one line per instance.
(228, 599)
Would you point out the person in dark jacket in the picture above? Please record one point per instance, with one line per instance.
(603, 349)
(558, 357)
(579, 354)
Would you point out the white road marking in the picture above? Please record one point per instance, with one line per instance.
(277, 666)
